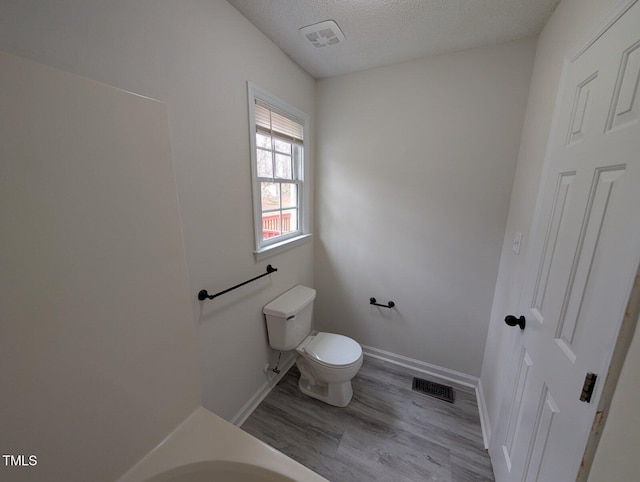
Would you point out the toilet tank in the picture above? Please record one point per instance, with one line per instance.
(289, 317)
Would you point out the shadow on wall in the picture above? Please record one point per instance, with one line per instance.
(350, 302)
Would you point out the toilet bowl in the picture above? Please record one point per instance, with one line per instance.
(327, 361)
(327, 364)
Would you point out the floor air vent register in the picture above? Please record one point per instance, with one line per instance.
(433, 389)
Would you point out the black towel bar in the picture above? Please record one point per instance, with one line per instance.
(203, 294)
(391, 304)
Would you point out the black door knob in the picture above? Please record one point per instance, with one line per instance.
(513, 321)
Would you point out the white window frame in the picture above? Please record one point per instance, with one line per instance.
(271, 246)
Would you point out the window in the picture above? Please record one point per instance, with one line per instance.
(278, 140)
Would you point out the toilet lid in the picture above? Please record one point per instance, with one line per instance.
(334, 350)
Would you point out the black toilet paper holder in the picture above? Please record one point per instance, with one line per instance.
(390, 304)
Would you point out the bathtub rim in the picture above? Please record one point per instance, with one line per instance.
(204, 436)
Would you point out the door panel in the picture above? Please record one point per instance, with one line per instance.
(556, 223)
(580, 116)
(597, 203)
(545, 417)
(515, 415)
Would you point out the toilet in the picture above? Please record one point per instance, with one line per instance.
(327, 361)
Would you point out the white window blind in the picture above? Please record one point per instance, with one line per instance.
(269, 120)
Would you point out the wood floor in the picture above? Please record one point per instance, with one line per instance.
(387, 433)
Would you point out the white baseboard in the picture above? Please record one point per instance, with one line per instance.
(422, 367)
(440, 372)
(248, 408)
(484, 415)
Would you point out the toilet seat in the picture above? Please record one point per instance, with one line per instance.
(331, 350)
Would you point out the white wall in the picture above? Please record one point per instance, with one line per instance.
(196, 56)
(414, 174)
(97, 343)
(569, 25)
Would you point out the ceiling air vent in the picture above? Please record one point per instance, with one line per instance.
(323, 34)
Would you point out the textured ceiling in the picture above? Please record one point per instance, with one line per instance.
(381, 32)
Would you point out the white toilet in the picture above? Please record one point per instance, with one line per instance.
(327, 362)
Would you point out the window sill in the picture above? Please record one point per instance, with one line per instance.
(282, 246)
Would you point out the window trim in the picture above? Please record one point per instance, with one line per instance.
(280, 243)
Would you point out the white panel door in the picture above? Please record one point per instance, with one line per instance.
(585, 249)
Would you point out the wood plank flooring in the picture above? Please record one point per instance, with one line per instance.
(387, 433)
